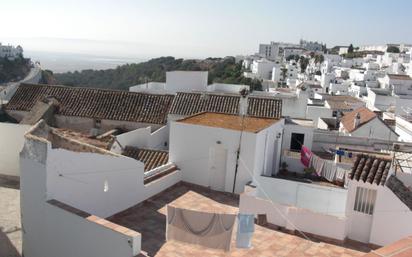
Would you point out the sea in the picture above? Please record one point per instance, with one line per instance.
(70, 62)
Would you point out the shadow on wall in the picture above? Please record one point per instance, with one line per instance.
(7, 249)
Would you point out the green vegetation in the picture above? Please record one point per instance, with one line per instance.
(304, 62)
(393, 49)
(13, 70)
(221, 70)
(293, 57)
(319, 58)
(350, 49)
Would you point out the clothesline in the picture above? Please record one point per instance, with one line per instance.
(323, 168)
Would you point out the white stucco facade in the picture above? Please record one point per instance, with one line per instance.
(192, 149)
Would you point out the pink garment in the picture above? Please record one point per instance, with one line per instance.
(305, 156)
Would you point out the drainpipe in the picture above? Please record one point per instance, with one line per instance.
(242, 112)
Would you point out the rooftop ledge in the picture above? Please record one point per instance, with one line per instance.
(92, 218)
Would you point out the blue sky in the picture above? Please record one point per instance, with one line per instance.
(190, 28)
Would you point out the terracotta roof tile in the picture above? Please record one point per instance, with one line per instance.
(96, 103)
(191, 103)
(399, 77)
(348, 120)
(151, 158)
(371, 169)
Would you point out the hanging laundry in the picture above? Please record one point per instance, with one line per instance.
(245, 229)
(329, 171)
(317, 163)
(340, 152)
(305, 156)
(213, 230)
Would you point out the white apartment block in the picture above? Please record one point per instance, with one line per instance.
(10, 52)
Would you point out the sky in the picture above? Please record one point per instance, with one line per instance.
(198, 28)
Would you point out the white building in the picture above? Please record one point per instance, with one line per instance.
(10, 52)
(364, 123)
(176, 81)
(269, 51)
(262, 69)
(213, 161)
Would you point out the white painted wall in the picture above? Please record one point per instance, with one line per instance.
(294, 218)
(375, 129)
(150, 87)
(227, 88)
(143, 138)
(321, 199)
(68, 235)
(316, 112)
(391, 219)
(295, 107)
(11, 143)
(190, 148)
(290, 129)
(72, 175)
(50, 231)
(182, 81)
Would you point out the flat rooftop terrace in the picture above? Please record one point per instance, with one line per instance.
(229, 121)
(149, 218)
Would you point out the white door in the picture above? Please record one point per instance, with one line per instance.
(360, 228)
(217, 167)
(361, 215)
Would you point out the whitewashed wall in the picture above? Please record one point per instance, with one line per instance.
(392, 219)
(11, 143)
(72, 175)
(295, 107)
(290, 128)
(182, 81)
(143, 138)
(294, 218)
(190, 145)
(50, 231)
(321, 199)
(69, 235)
(375, 129)
(316, 112)
(78, 179)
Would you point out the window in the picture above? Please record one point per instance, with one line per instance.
(365, 200)
(296, 141)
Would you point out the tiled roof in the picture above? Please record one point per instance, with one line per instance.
(151, 158)
(399, 77)
(400, 248)
(341, 98)
(264, 107)
(191, 103)
(348, 119)
(96, 103)
(400, 190)
(370, 169)
(228, 121)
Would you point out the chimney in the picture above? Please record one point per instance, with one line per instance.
(356, 122)
(243, 102)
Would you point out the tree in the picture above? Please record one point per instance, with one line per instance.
(350, 48)
(319, 58)
(304, 62)
(393, 49)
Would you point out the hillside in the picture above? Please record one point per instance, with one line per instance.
(221, 70)
(13, 70)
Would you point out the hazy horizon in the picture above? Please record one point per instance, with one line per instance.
(197, 29)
